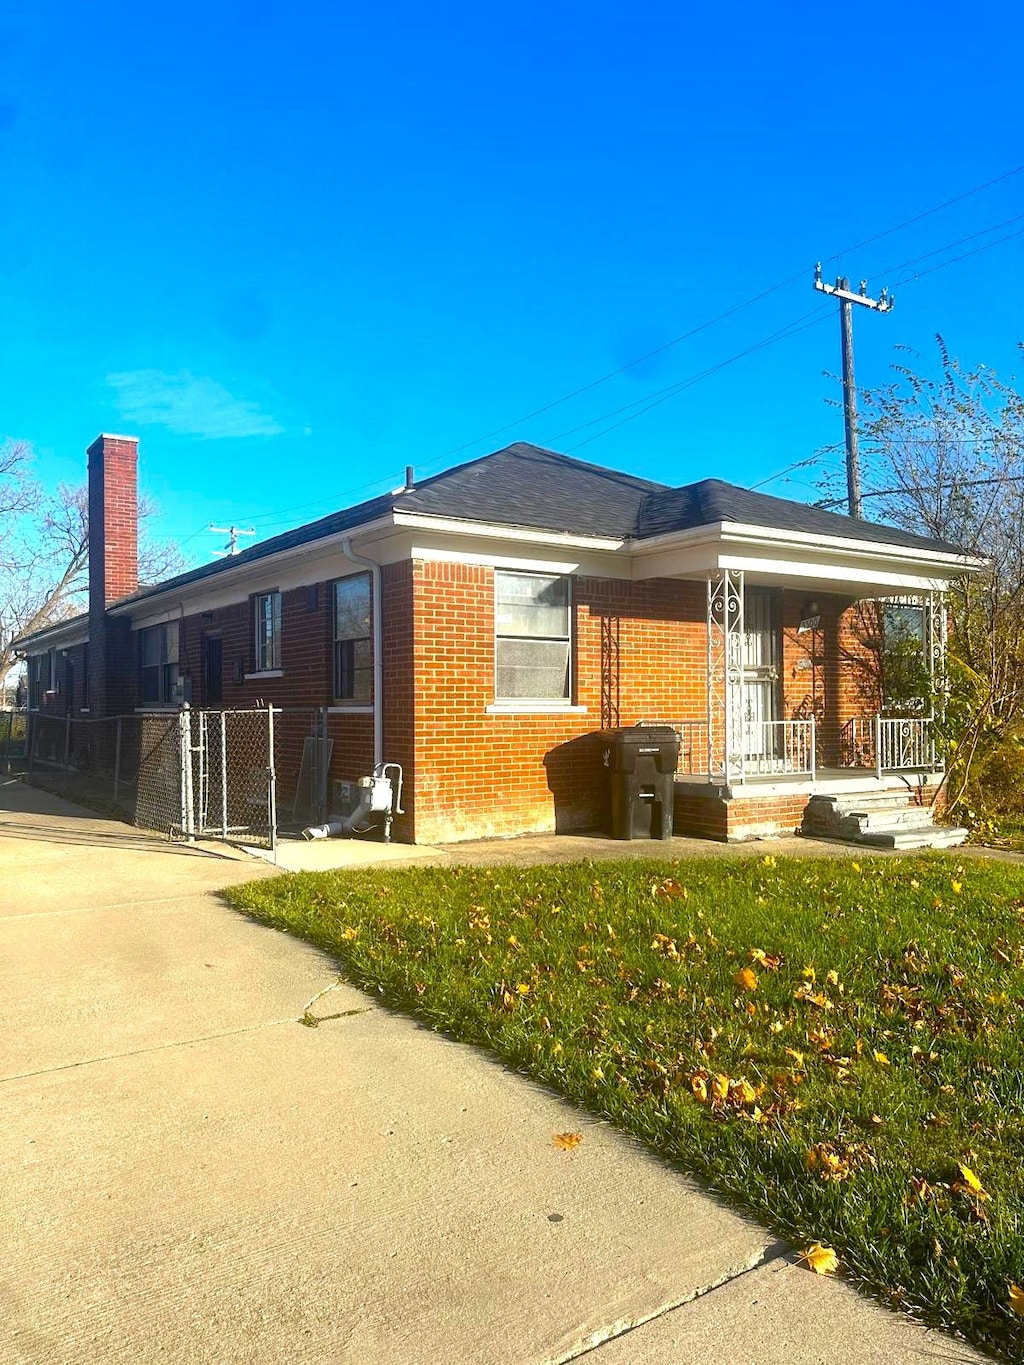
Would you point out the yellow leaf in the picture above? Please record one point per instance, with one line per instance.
(822, 1260)
(808, 974)
(970, 1179)
(720, 1087)
(523, 988)
(881, 1058)
(1016, 1299)
(768, 860)
(746, 979)
(855, 866)
(798, 1057)
(565, 1142)
(832, 978)
(699, 1086)
(957, 887)
(349, 934)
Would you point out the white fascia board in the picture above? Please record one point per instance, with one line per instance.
(525, 535)
(730, 545)
(852, 545)
(835, 576)
(592, 564)
(61, 636)
(296, 567)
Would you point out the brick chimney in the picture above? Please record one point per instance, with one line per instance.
(113, 570)
(113, 520)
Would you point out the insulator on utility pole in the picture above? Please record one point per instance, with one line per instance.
(847, 298)
(232, 533)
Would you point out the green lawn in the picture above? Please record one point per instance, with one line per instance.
(836, 1046)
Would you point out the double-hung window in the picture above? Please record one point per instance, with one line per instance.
(40, 677)
(353, 650)
(533, 637)
(158, 664)
(268, 631)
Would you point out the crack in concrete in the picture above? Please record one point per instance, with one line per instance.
(111, 905)
(775, 1251)
(181, 1042)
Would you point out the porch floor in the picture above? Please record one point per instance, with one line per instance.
(826, 782)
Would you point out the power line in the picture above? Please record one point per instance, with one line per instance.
(730, 312)
(713, 369)
(678, 385)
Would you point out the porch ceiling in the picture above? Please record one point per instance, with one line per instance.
(806, 563)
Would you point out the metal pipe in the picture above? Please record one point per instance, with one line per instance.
(378, 645)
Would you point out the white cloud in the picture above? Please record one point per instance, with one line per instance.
(189, 405)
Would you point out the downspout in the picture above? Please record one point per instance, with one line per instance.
(378, 645)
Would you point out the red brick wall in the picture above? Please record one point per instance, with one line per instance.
(640, 654)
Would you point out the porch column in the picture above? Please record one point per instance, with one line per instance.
(938, 635)
(725, 675)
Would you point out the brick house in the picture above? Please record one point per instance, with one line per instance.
(479, 627)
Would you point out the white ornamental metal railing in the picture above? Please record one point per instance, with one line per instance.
(766, 748)
(903, 742)
(778, 748)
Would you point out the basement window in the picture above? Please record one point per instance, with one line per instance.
(532, 637)
(353, 652)
(268, 631)
(158, 665)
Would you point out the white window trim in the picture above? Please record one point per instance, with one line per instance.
(266, 673)
(537, 705)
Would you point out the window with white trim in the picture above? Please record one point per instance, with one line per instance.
(533, 637)
(353, 650)
(268, 631)
(158, 664)
(40, 677)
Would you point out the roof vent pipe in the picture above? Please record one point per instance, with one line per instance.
(410, 481)
(378, 645)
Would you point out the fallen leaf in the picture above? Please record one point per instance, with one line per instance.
(822, 1260)
(970, 1179)
(565, 1142)
(746, 979)
(881, 1058)
(1016, 1299)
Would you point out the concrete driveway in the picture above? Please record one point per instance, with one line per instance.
(190, 1175)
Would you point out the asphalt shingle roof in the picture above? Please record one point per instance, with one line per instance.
(526, 486)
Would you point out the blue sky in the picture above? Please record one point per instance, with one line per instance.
(296, 247)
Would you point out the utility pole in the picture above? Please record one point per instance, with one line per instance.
(232, 533)
(883, 304)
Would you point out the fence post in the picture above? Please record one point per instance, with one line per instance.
(117, 760)
(67, 749)
(271, 781)
(223, 774)
(7, 742)
(31, 729)
(185, 747)
(323, 777)
(878, 747)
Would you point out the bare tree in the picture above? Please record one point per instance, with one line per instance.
(944, 457)
(44, 551)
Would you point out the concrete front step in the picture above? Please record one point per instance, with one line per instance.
(939, 836)
(879, 820)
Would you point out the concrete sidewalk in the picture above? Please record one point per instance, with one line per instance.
(191, 1176)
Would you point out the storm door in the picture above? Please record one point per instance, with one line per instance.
(760, 678)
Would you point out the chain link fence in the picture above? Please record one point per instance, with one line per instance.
(188, 774)
(13, 739)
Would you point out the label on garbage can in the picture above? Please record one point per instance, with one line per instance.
(655, 750)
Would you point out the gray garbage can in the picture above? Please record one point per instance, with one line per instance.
(640, 761)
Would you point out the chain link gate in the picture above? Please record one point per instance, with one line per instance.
(229, 785)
